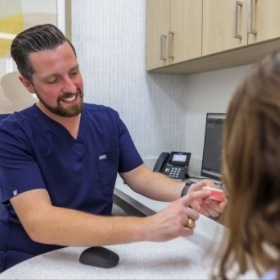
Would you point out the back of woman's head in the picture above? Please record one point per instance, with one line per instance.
(251, 168)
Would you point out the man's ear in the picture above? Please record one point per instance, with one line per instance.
(27, 84)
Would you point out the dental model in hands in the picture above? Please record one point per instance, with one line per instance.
(216, 194)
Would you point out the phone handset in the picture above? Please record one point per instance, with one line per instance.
(161, 162)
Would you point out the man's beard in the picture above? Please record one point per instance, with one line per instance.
(70, 111)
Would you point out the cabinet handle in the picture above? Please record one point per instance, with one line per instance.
(170, 49)
(250, 19)
(235, 28)
(162, 47)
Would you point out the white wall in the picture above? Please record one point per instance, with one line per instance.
(162, 112)
(207, 92)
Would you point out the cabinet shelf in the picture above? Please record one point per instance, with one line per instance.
(231, 58)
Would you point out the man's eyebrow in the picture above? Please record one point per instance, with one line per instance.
(75, 67)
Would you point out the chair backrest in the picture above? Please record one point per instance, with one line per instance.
(17, 94)
(4, 101)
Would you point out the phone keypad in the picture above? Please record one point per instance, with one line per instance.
(173, 172)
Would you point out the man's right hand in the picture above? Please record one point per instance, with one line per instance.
(172, 221)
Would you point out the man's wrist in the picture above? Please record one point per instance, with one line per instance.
(185, 188)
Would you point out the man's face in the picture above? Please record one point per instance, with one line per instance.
(57, 81)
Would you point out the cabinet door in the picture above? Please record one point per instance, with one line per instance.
(224, 25)
(157, 27)
(264, 19)
(184, 41)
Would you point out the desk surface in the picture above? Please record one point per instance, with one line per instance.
(181, 258)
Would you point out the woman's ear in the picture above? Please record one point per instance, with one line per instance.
(27, 84)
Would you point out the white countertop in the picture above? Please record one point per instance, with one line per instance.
(180, 258)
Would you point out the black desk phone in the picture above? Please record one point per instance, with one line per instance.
(174, 165)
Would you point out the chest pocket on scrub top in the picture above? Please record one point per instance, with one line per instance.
(107, 165)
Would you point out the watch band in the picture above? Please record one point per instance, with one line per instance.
(186, 188)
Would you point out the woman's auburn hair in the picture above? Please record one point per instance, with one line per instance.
(251, 171)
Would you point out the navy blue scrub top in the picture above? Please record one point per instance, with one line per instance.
(37, 152)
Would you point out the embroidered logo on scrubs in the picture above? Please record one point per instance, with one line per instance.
(15, 192)
(102, 157)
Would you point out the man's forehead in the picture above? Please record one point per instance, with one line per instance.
(52, 58)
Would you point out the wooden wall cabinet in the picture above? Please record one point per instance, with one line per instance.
(236, 23)
(227, 33)
(173, 31)
(224, 25)
(265, 20)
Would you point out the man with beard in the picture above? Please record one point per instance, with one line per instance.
(59, 160)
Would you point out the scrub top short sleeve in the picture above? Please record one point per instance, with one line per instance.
(19, 170)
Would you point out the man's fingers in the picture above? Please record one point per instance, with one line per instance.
(189, 198)
(198, 185)
(190, 223)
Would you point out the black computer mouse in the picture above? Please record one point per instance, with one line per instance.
(100, 257)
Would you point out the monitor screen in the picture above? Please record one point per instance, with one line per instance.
(212, 151)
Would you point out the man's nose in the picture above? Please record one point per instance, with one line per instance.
(69, 86)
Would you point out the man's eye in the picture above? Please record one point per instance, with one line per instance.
(52, 81)
(74, 73)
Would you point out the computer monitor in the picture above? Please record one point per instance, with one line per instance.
(213, 147)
